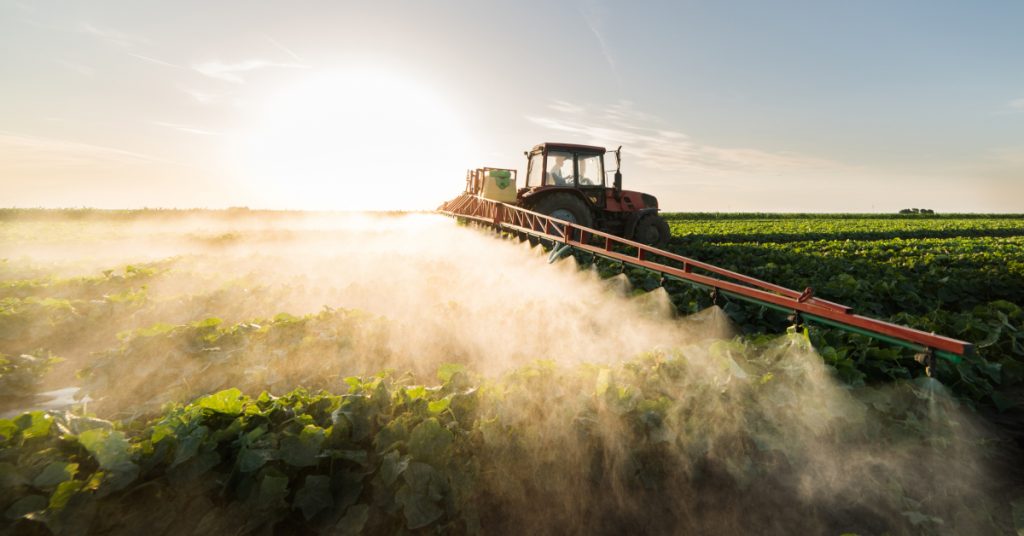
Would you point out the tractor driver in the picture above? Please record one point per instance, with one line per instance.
(555, 175)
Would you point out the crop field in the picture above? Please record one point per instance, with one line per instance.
(958, 276)
(172, 372)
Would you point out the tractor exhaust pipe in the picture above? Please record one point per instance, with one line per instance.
(618, 172)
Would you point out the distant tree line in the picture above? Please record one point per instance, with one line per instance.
(917, 211)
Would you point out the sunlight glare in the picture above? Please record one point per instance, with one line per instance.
(355, 140)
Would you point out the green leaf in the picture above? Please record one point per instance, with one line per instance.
(7, 429)
(207, 323)
(392, 433)
(34, 424)
(354, 520)
(302, 450)
(603, 381)
(122, 475)
(1003, 402)
(159, 328)
(26, 505)
(197, 466)
(286, 318)
(159, 432)
(250, 459)
(230, 401)
(424, 479)
(438, 406)
(314, 496)
(349, 487)
(189, 445)
(419, 511)
(65, 490)
(392, 466)
(109, 448)
(419, 497)
(356, 456)
(273, 490)
(429, 441)
(356, 413)
(55, 473)
(10, 477)
(448, 370)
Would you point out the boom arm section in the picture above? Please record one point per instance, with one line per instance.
(562, 234)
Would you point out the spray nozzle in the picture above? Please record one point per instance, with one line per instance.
(797, 319)
(927, 358)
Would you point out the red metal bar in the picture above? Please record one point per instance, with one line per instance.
(509, 217)
(921, 337)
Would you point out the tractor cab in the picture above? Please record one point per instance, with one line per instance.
(567, 166)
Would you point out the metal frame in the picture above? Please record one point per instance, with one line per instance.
(504, 217)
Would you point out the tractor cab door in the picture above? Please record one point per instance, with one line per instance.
(590, 177)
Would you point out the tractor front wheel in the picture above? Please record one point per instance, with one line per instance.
(566, 207)
(652, 230)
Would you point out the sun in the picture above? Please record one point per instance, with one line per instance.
(354, 140)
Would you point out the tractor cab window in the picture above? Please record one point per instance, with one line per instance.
(559, 172)
(591, 173)
(535, 176)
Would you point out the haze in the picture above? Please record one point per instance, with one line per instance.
(720, 106)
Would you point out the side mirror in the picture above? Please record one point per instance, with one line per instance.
(618, 181)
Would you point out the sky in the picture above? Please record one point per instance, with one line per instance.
(795, 106)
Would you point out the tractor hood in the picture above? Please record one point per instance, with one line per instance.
(629, 200)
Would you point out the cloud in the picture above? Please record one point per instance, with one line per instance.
(30, 153)
(113, 37)
(594, 16)
(202, 97)
(230, 72)
(1017, 104)
(286, 50)
(123, 40)
(566, 107)
(185, 128)
(154, 60)
(649, 141)
(625, 111)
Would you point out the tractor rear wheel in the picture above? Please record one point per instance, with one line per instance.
(566, 207)
(652, 230)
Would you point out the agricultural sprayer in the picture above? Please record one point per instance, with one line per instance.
(566, 204)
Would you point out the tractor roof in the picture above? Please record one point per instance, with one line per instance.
(547, 146)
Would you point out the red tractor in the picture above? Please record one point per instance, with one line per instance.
(568, 182)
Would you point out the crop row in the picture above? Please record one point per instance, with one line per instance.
(828, 227)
